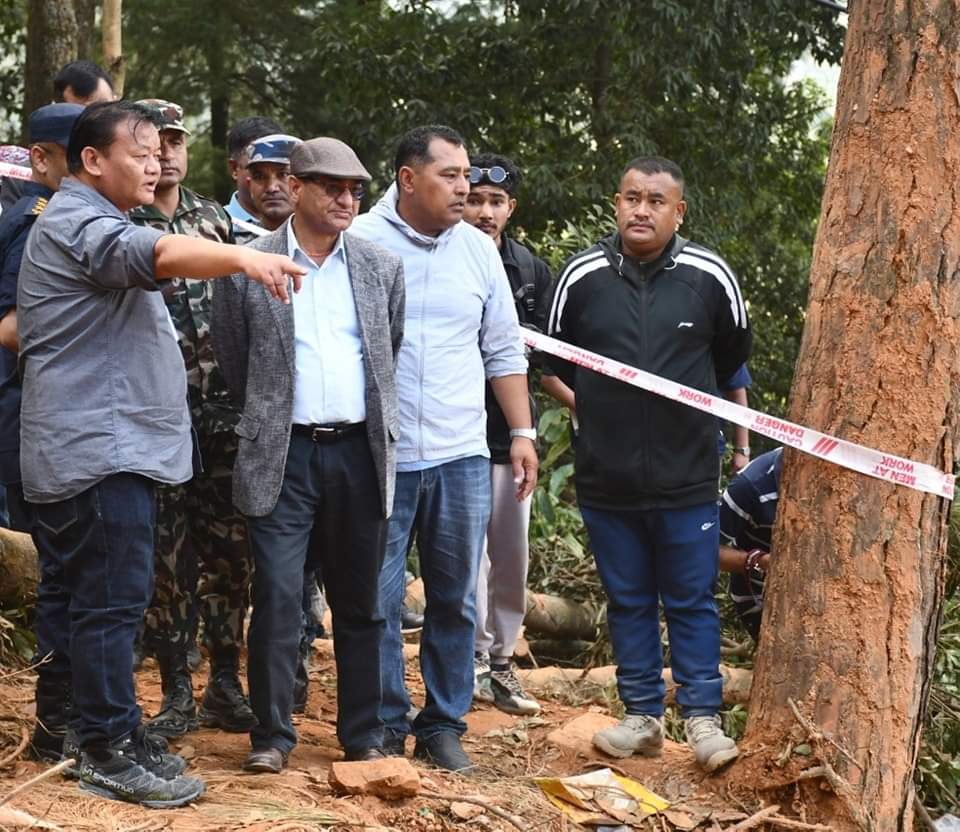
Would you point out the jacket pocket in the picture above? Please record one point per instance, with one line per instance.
(247, 427)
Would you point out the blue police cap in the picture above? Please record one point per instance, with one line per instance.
(274, 148)
(52, 123)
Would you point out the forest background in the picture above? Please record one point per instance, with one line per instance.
(570, 89)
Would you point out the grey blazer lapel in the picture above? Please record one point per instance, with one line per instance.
(362, 281)
(282, 313)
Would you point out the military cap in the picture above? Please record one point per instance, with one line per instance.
(325, 156)
(170, 114)
(274, 148)
(52, 123)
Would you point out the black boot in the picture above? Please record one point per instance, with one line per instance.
(54, 697)
(178, 711)
(301, 682)
(224, 706)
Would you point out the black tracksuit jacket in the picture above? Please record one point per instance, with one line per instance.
(681, 317)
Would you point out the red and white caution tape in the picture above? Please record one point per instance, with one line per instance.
(895, 469)
(14, 171)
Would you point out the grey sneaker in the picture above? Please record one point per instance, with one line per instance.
(710, 745)
(509, 695)
(482, 690)
(636, 734)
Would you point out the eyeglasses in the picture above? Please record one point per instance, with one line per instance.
(333, 188)
(495, 175)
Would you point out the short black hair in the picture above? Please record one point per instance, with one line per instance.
(82, 77)
(249, 130)
(413, 149)
(96, 127)
(489, 160)
(655, 164)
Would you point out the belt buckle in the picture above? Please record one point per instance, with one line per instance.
(322, 434)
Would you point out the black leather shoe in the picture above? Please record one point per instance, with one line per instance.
(444, 751)
(363, 755)
(224, 706)
(265, 761)
(410, 621)
(394, 745)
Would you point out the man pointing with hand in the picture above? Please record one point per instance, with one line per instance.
(104, 419)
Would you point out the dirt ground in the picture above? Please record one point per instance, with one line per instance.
(510, 751)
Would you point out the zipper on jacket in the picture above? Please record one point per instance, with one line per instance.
(644, 415)
(423, 350)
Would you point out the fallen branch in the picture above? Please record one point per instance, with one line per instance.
(841, 788)
(790, 823)
(756, 819)
(15, 818)
(24, 740)
(515, 822)
(43, 775)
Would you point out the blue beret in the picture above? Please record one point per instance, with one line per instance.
(52, 123)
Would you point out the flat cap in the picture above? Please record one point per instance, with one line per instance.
(327, 157)
(169, 114)
(52, 123)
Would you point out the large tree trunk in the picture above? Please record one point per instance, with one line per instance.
(116, 63)
(855, 594)
(51, 43)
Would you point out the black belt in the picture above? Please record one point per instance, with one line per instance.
(324, 434)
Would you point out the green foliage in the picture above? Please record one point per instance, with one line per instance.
(13, 36)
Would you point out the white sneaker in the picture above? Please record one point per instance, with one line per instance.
(712, 748)
(482, 690)
(636, 734)
(509, 695)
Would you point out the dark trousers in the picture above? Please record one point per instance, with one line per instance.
(644, 557)
(330, 504)
(96, 564)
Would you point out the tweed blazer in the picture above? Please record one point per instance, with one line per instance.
(253, 337)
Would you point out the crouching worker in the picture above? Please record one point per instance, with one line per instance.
(105, 419)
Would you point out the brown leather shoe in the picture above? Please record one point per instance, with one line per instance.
(364, 755)
(265, 761)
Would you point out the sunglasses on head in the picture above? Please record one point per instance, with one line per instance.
(496, 175)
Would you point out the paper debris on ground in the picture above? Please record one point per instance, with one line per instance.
(602, 798)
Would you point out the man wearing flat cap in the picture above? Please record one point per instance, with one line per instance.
(200, 536)
(316, 462)
(48, 131)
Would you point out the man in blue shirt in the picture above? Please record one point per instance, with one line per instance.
(48, 130)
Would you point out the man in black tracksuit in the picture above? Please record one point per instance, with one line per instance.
(647, 468)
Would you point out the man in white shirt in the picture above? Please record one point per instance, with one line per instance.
(316, 460)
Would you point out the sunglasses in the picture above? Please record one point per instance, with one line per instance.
(495, 175)
(333, 188)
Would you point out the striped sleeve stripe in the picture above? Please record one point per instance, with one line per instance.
(577, 268)
(716, 267)
(736, 509)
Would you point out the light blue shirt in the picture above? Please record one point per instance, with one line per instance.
(330, 384)
(238, 212)
(460, 329)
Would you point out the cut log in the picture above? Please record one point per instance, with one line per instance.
(19, 572)
(547, 615)
(736, 681)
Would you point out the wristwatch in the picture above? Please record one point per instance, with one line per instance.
(745, 450)
(526, 433)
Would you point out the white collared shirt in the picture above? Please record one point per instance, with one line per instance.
(330, 384)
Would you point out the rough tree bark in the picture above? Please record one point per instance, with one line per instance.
(51, 42)
(115, 62)
(856, 589)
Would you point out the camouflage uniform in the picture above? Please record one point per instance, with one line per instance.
(196, 522)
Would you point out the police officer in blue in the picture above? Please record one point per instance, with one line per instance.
(48, 131)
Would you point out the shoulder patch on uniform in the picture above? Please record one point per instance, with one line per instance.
(38, 207)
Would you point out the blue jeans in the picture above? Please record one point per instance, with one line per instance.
(668, 554)
(448, 508)
(96, 559)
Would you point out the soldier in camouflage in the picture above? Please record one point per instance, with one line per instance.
(198, 530)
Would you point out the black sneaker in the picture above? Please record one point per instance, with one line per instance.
(116, 773)
(151, 753)
(444, 751)
(224, 706)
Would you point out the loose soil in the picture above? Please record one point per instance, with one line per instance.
(510, 752)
